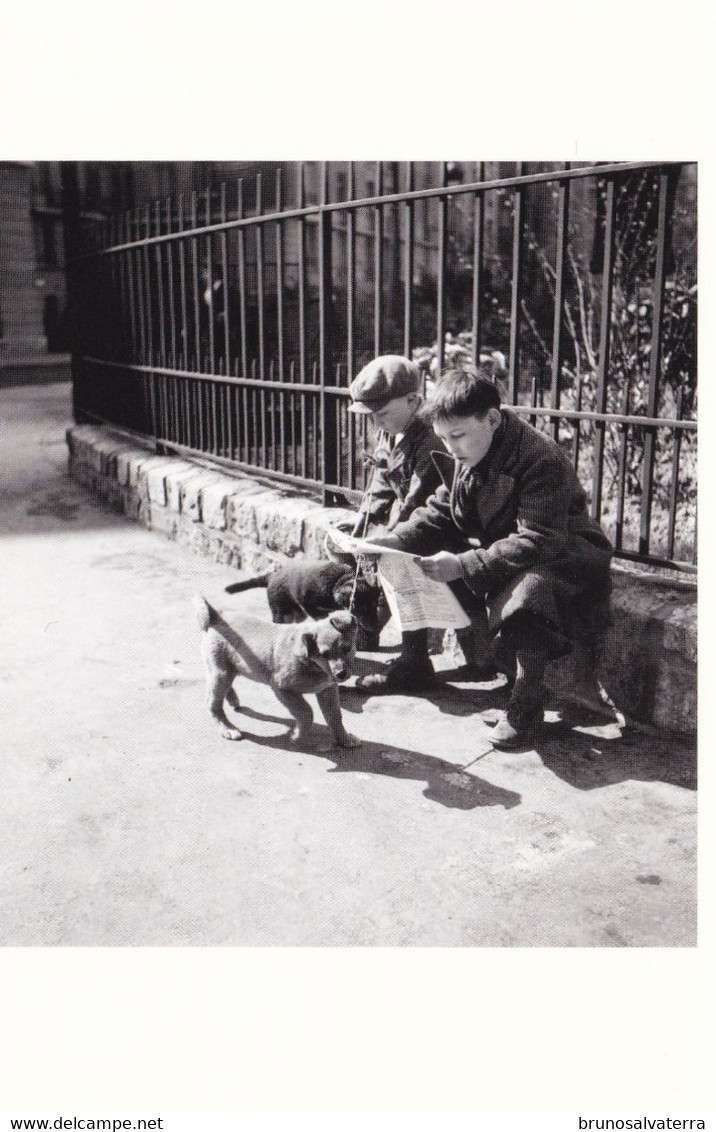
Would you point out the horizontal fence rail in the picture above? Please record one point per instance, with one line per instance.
(229, 324)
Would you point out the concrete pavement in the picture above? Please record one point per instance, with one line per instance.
(128, 820)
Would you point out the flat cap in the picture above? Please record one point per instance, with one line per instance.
(381, 381)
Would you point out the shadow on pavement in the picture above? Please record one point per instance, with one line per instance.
(588, 750)
(446, 782)
(56, 505)
(38, 495)
(582, 757)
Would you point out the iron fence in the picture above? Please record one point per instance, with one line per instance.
(233, 336)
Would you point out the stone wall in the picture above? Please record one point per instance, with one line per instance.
(239, 520)
(648, 659)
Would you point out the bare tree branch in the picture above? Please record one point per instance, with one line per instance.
(535, 331)
(583, 318)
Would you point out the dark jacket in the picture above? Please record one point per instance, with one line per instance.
(404, 476)
(533, 545)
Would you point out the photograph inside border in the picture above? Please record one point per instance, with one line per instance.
(385, 472)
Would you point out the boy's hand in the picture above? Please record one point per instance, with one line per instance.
(383, 539)
(378, 541)
(441, 567)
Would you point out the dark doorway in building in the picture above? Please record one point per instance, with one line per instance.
(53, 324)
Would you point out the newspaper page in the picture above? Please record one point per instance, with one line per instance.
(415, 601)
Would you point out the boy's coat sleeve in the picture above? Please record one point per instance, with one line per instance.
(543, 497)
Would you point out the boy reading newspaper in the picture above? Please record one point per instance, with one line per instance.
(510, 519)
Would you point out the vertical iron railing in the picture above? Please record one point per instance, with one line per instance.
(478, 228)
(328, 432)
(409, 264)
(516, 289)
(654, 363)
(443, 204)
(378, 264)
(604, 348)
(559, 299)
(229, 324)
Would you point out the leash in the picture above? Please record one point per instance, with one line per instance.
(477, 758)
(360, 558)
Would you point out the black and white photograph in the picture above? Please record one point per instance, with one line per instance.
(417, 439)
(352, 653)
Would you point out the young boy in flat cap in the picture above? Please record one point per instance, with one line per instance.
(535, 556)
(388, 390)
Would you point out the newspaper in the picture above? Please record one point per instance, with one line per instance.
(415, 601)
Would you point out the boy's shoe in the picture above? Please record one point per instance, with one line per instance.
(400, 676)
(522, 714)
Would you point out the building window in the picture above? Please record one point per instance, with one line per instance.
(93, 186)
(49, 187)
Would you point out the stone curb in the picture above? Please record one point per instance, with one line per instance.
(236, 519)
(648, 659)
